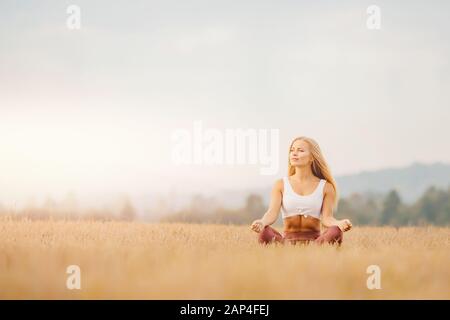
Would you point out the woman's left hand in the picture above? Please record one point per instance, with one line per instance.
(345, 225)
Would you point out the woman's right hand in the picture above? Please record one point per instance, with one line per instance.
(258, 225)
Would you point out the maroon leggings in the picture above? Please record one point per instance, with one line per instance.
(331, 235)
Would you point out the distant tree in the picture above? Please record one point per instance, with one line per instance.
(444, 217)
(372, 211)
(70, 205)
(127, 212)
(49, 204)
(345, 209)
(362, 209)
(202, 205)
(254, 207)
(391, 208)
(434, 206)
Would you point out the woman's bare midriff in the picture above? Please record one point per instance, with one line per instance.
(301, 223)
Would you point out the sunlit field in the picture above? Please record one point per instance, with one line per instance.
(130, 260)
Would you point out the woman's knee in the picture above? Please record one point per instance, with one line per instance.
(267, 235)
(331, 236)
(336, 234)
(264, 236)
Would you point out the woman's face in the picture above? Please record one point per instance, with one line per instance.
(299, 154)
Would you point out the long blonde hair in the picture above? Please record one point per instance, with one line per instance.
(319, 166)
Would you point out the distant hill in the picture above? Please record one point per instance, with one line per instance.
(410, 182)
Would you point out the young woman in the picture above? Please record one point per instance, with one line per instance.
(306, 197)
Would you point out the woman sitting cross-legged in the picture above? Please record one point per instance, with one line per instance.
(306, 197)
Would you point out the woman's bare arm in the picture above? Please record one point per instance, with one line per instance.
(328, 219)
(272, 213)
(276, 196)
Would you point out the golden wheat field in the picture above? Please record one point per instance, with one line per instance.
(130, 260)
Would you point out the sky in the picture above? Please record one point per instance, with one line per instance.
(94, 109)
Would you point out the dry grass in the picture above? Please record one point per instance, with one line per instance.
(181, 261)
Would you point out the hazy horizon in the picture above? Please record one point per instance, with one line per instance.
(177, 198)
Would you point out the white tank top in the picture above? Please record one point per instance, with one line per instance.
(294, 204)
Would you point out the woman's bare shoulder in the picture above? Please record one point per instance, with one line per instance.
(278, 185)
